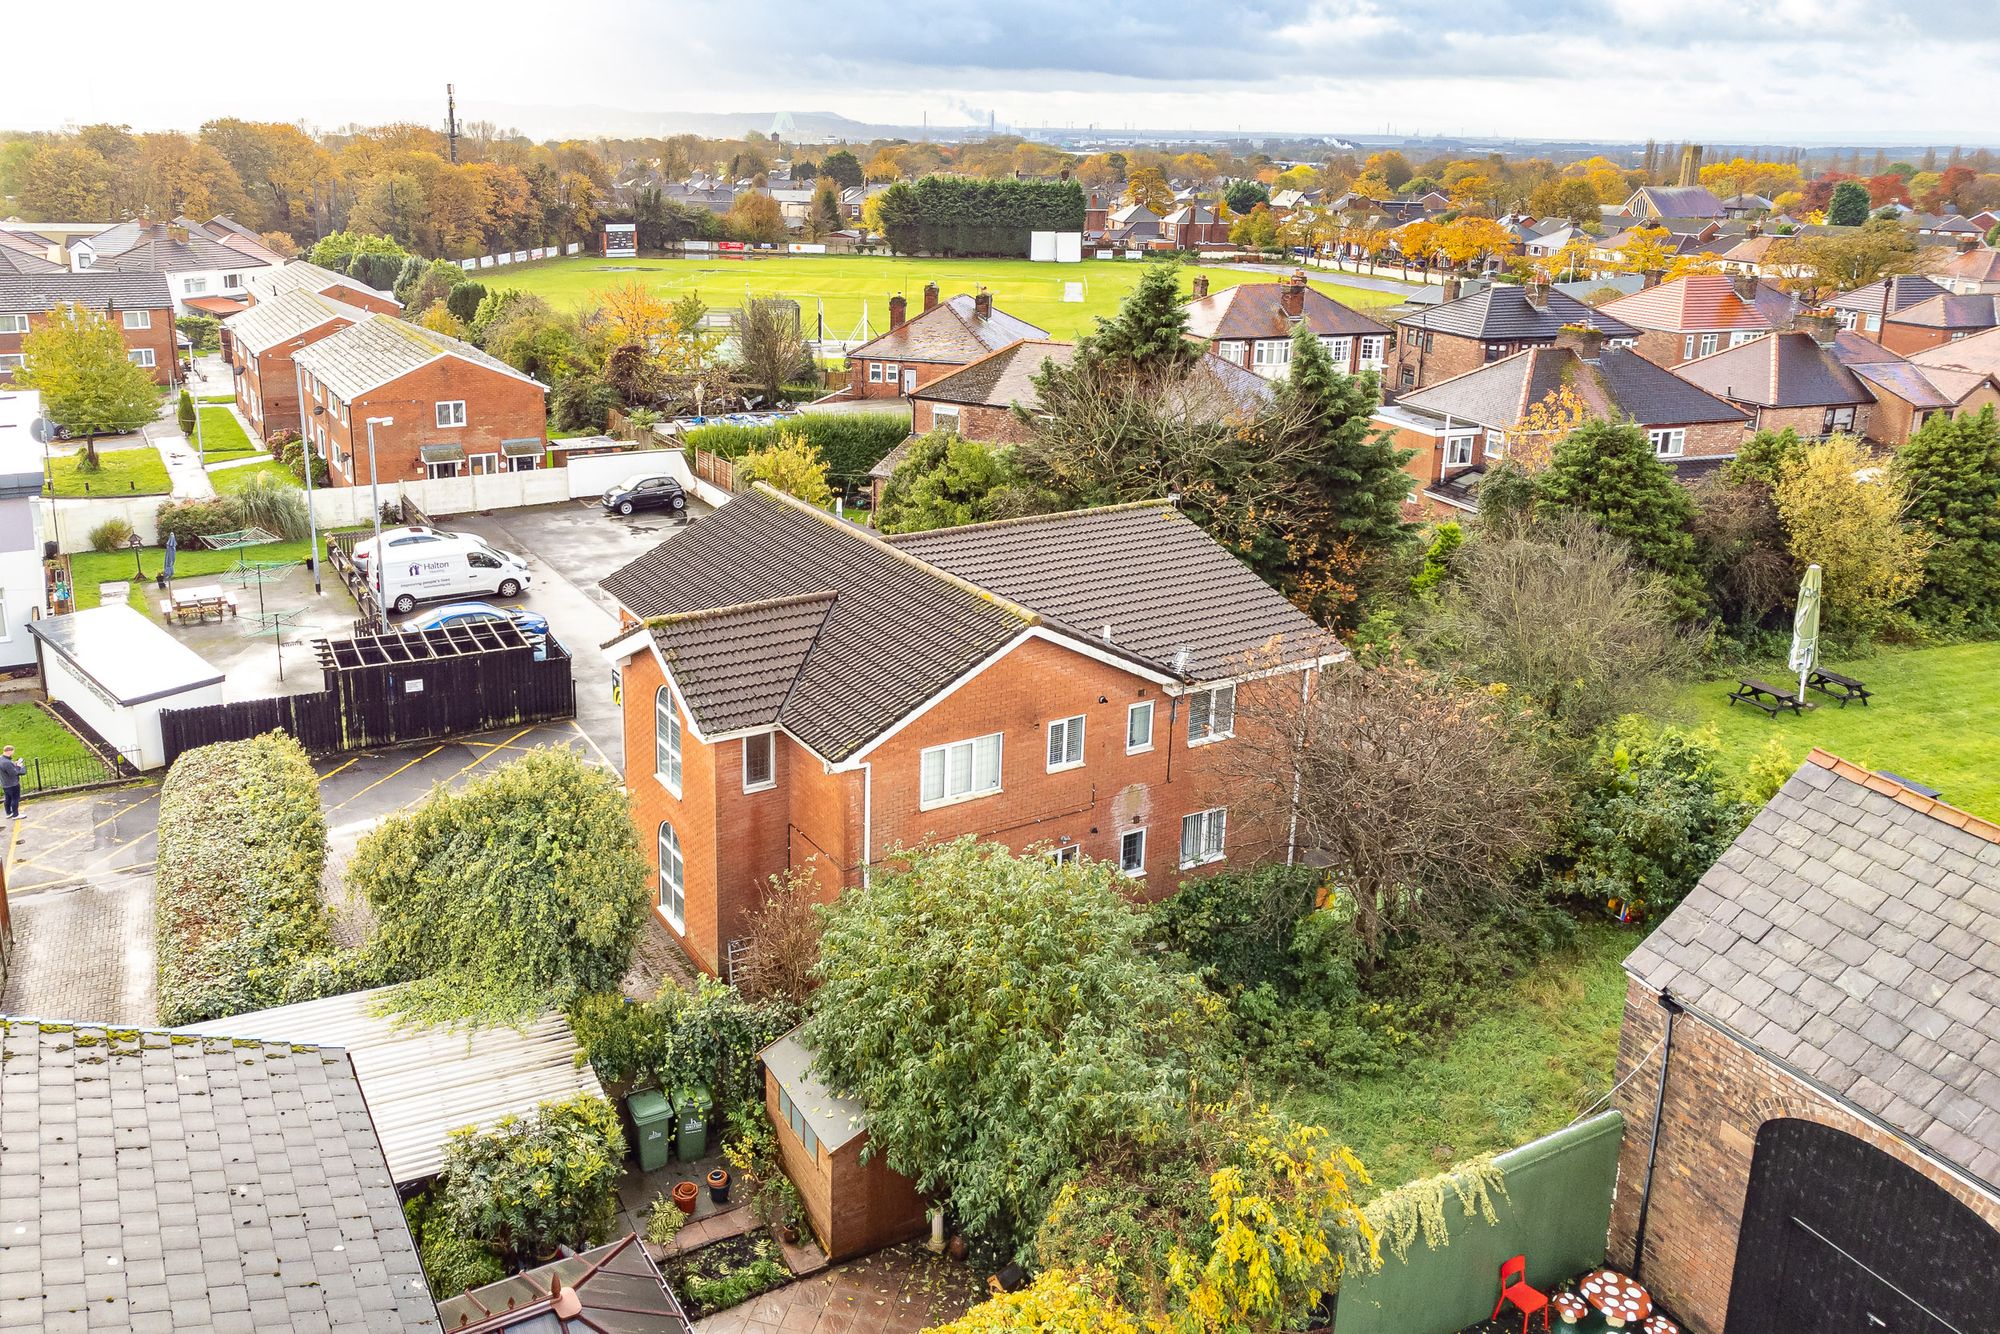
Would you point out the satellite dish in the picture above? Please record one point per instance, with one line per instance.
(41, 430)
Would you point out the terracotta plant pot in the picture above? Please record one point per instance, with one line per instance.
(718, 1186)
(788, 1233)
(956, 1247)
(685, 1193)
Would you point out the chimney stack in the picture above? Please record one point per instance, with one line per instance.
(176, 232)
(982, 305)
(1200, 286)
(930, 297)
(1967, 244)
(1651, 278)
(1452, 288)
(1588, 341)
(896, 308)
(1292, 296)
(1744, 285)
(1824, 326)
(1538, 293)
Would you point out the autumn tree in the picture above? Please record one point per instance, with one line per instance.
(64, 181)
(1464, 241)
(792, 465)
(1148, 188)
(634, 312)
(824, 216)
(89, 385)
(771, 349)
(755, 216)
(1565, 197)
(1818, 266)
(1951, 468)
(1255, 230)
(1846, 513)
(1645, 250)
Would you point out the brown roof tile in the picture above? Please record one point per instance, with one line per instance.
(949, 332)
(1251, 311)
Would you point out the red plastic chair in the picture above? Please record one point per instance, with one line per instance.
(1514, 1291)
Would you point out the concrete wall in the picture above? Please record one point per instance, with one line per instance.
(1557, 1213)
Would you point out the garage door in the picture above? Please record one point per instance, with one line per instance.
(1840, 1238)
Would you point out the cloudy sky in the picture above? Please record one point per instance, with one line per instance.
(1734, 71)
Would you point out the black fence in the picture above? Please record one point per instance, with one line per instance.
(72, 771)
(436, 684)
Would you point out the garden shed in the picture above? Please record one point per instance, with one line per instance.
(118, 672)
(855, 1202)
(424, 1082)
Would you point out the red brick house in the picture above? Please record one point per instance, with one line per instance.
(1194, 224)
(297, 275)
(1908, 394)
(260, 346)
(1976, 270)
(138, 305)
(1788, 379)
(1464, 333)
(1807, 1071)
(1862, 309)
(799, 692)
(1461, 425)
(1251, 324)
(943, 337)
(1701, 314)
(450, 409)
(1945, 318)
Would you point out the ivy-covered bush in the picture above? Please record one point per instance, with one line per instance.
(238, 905)
(528, 1184)
(193, 519)
(453, 1261)
(710, 1036)
(851, 443)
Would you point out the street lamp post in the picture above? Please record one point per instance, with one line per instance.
(312, 516)
(375, 499)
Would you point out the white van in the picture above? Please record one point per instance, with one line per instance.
(426, 564)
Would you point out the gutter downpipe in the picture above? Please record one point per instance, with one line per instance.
(1292, 830)
(867, 818)
(1673, 1009)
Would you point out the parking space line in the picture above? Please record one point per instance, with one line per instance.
(385, 778)
(65, 842)
(81, 873)
(337, 768)
(508, 744)
(578, 729)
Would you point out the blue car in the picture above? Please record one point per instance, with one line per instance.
(533, 624)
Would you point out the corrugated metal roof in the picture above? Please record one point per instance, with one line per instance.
(424, 1082)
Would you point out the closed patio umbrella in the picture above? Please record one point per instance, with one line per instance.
(1805, 628)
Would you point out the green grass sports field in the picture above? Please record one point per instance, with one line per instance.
(844, 283)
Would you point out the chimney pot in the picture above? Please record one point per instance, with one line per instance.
(1651, 278)
(1292, 298)
(1200, 286)
(897, 306)
(1451, 289)
(982, 305)
(930, 297)
(1538, 294)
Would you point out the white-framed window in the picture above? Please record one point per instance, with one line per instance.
(451, 413)
(1202, 837)
(758, 763)
(890, 374)
(343, 414)
(483, 465)
(194, 286)
(673, 877)
(1066, 743)
(1271, 352)
(667, 740)
(11, 362)
(944, 417)
(1340, 349)
(13, 324)
(439, 471)
(1139, 727)
(1132, 852)
(138, 319)
(874, 372)
(1211, 714)
(1742, 336)
(1669, 443)
(960, 771)
(1372, 351)
(232, 280)
(1069, 854)
(1458, 450)
(1496, 444)
(1238, 353)
(140, 356)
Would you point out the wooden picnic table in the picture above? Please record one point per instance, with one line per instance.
(1842, 688)
(198, 602)
(1750, 690)
(1620, 1298)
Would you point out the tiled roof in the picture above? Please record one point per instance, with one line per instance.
(93, 288)
(21, 254)
(1980, 265)
(1904, 380)
(618, 1291)
(898, 631)
(372, 352)
(151, 248)
(1252, 310)
(1951, 310)
(1675, 201)
(998, 379)
(150, 1180)
(1503, 312)
(274, 319)
(1780, 370)
(1703, 301)
(951, 332)
(297, 275)
(736, 665)
(1140, 579)
(1850, 933)
(1974, 352)
(1620, 384)
(1905, 289)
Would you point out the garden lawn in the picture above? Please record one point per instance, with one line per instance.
(35, 734)
(223, 437)
(1933, 719)
(1033, 292)
(1541, 1052)
(123, 472)
(235, 479)
(88, 569)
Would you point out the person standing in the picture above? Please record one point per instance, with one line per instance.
(11, 770)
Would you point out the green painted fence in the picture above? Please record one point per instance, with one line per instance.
(1557, 1212)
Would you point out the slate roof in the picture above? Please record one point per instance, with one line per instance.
(1502, 312)
(1252, 310)
(1780, 370)
(93, 288)
(1974, 352)
(1674, 201)
(150, 1180)
(1139, 579)
(1905, 289)
(1904, 380)
(1703, 301)
(1952, 310)
(951, 332)
(1621, 384)
(21, 254)
(1853, 933)
(274, 319)
(998, 379)
(150, 248)
(372, 352)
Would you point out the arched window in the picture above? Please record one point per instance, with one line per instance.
(667, 740)
(673, 877)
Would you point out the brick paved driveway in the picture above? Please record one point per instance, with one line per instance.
(897, 1291)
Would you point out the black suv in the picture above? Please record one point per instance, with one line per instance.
(645, 491)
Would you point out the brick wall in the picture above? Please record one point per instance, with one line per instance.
(1707, 440)
(1905, 339)
(859, 385)
(1806, 421)
(158, 336)
(267, 389)
(497, 407)
(1446, 356)
(976, 421)
(354, 296)
(1719, 1094)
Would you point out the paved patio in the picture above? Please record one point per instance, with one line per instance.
(897, 1291)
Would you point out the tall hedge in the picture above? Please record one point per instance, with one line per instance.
(851, 443)
(958, 215)
(238, 903)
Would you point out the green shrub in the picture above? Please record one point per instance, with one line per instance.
(288, 449)
(110, 535)
(191, 520)
(738, 1285)
(664, 1221)
(527, 1184)
(453, 1262)
(273, 504)
(184, 414)
(850, 442)
(582, 402)
(464, 301)
(238, 903)
(708, 1036)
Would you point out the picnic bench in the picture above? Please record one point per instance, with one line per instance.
(1749, 690)
(193, 605)
(1842, 688)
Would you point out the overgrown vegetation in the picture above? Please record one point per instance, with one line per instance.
(709, 1036)
(528, 1184)
(851, 443)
